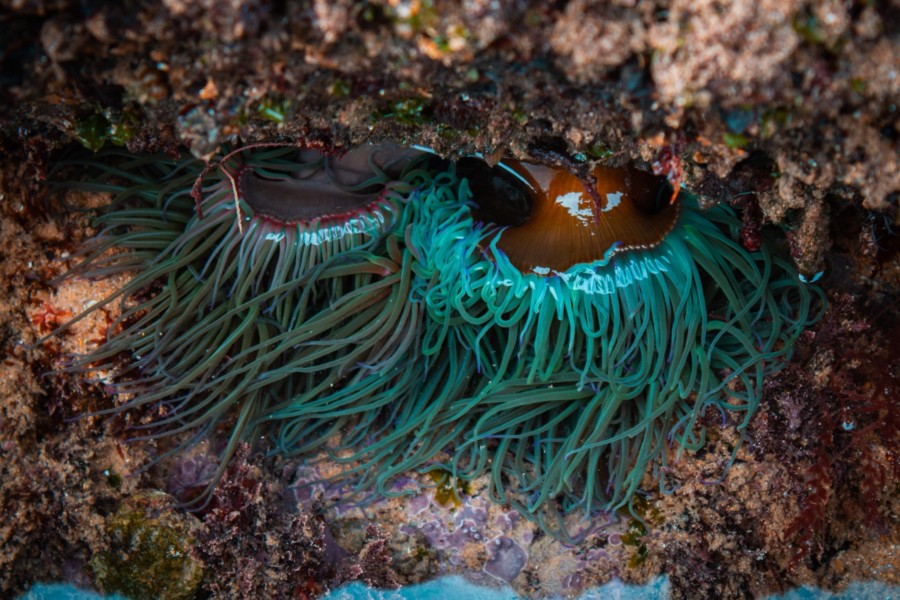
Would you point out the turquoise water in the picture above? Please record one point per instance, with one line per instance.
(62, 591)
(457, 588)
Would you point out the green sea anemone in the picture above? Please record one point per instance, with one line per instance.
(283, 281)
(603, 326)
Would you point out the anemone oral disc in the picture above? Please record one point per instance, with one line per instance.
(566, 227)
(335, 188)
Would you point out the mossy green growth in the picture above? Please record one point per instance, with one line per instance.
(599, 150)
(426, 17)
(408, 111)
(644, 516)
(92, 131)
(273, 109)
(122, 127)
(149, 555)
(339, 88)
(735, 141)
(520, 116)
(113, 479)
(447, 133)
(449, 490)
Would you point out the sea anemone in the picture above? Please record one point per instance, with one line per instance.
(280, 279)
(603, 323)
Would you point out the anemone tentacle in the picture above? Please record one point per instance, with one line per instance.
(392, 424)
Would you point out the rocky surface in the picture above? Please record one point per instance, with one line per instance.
(785, 109)
(794, 102)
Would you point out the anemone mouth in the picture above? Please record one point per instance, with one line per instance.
(323, 188)
(565, 226)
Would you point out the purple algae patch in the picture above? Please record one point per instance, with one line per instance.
(506, 558)
(418, 504)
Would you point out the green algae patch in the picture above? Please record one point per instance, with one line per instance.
(92, 132)
(645, 516)
(150, 551)
(449, 490)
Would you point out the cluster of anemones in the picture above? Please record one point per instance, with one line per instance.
(405, 313)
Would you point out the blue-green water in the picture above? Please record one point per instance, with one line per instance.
(62, 591)
(457, 588)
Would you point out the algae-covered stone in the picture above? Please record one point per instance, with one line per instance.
(149, 553)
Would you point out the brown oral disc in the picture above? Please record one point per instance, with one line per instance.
(566, 227)
(329, 191)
